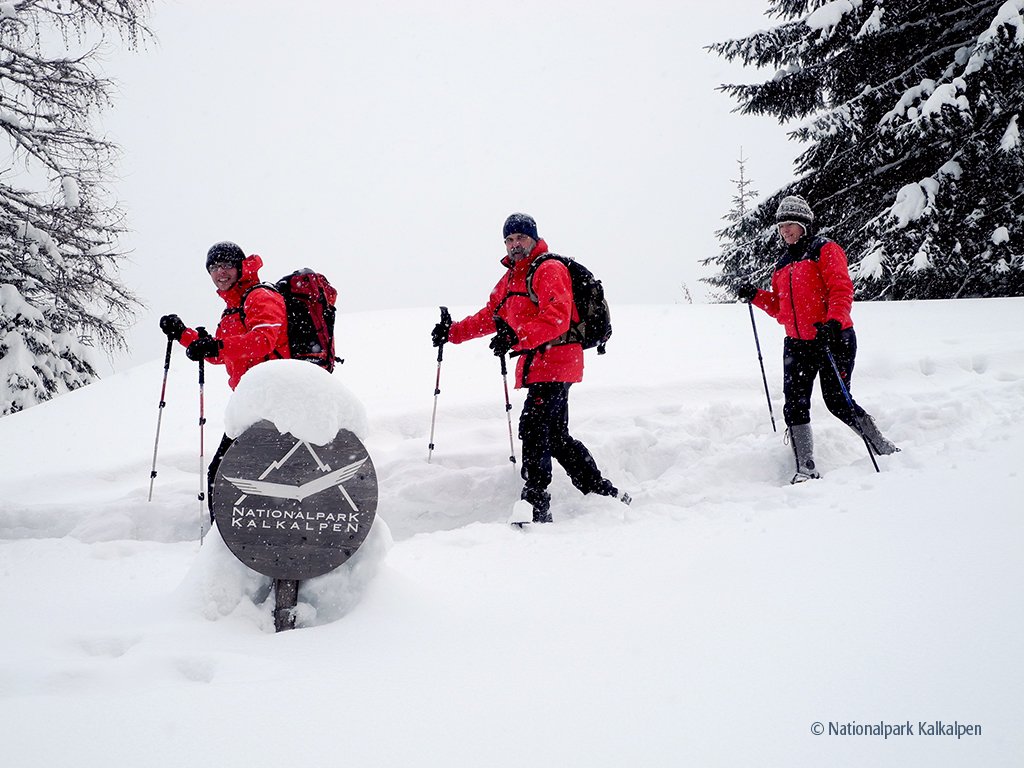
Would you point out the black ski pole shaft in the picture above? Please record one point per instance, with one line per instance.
(160, 414)
(849, 402)
(445, 318)
(508, 411)
(760, 360)
(203, 333)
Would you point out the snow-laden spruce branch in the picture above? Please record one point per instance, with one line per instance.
(892, 97)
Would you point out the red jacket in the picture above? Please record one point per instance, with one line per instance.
(806, 290)
(535, 324)
(262, 336)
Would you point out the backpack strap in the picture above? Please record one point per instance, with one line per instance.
(565, 338)
(240, 309)
(509, 294)
(569, 337)
(533, 270)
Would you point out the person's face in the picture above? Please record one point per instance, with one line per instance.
(518, 246)
(223, 275)
(790, 232)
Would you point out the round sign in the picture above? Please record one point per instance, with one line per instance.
(290, 509)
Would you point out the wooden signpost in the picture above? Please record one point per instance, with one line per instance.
(293, 510)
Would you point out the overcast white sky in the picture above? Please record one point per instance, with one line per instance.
(384, 144)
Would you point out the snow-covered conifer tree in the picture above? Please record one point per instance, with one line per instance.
(912, 113)
(59, 290)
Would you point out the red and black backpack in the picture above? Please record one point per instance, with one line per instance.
(309, 301)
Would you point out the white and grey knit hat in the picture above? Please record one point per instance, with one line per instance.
(796, 210)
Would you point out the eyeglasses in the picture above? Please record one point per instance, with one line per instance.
(220, 265)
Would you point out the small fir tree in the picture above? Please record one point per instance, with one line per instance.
(737, 262)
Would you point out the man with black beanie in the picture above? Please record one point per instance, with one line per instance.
(253, 327)
(533, 324)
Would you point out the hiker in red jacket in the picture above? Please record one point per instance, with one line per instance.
(547, 365)
(253, 328)
(812, 295)
(245, 335)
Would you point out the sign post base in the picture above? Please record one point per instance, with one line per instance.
(286, 597)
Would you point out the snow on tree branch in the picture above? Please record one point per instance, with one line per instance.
(59, 228)
(910, 113)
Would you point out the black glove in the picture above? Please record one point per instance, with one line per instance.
(746, 292)
(172, 327)
(828, 332)
(204, 347)
(503, 340)
(439, 335)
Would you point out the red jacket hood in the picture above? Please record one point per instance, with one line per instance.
(250, 276)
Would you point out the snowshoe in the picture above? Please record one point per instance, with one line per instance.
(804, 476)
(522, 513)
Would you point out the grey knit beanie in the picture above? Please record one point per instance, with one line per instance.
(795, 209)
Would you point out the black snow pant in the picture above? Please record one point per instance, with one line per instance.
(544, 430)
(211, 473)
(803, 360)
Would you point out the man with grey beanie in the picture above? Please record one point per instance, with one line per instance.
(812, 296)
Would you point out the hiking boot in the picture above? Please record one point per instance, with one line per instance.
(802, 441)
(605, 488)
(541, 503)
(880, 444)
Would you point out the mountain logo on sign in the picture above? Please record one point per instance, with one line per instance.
(333, 479)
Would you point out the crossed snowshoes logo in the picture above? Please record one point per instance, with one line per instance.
(290, 509)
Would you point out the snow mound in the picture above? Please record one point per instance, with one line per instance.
(219, 586)
(312, 405)
(297, 397)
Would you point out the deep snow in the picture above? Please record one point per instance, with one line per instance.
(713, 622)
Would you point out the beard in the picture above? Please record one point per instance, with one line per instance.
(517, 253)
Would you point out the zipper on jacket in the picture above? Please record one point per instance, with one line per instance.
(792, 303)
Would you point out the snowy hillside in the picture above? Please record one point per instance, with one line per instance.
(716, 621)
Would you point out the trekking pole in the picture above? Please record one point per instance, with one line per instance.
(508, 411)
(160, 414)
(446, 318)
(849, 402)
(760, 360)
(203, 334)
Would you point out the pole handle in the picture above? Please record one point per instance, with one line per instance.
(446, 319)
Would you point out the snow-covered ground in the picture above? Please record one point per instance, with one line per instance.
(712, 623)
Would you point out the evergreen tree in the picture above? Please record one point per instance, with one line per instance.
(59, 290)
(738, 262)
(911, 112)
